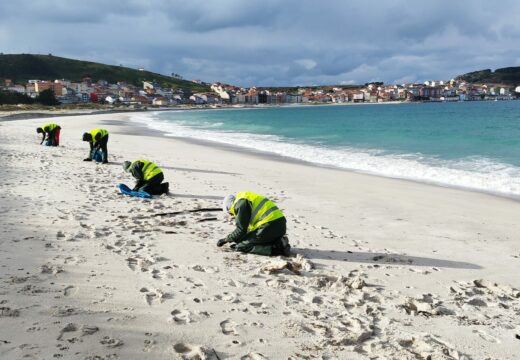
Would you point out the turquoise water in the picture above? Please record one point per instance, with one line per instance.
(472, 144)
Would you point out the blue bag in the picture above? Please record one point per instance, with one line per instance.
(98, 156)
(127, 191)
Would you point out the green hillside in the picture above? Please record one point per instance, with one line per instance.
(506, 76)
(23, 67)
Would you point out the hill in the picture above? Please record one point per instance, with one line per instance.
(506, 76)
(23, 67)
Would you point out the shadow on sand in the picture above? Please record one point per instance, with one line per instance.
(119, 163)
(194, 196)
(383, 258)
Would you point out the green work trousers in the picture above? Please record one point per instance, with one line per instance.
(266, 240)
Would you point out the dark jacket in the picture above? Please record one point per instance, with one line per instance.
(243, 210)
(136, 169)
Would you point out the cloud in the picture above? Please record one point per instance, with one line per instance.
(263, 43)
(307, 64)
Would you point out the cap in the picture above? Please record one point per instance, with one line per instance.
(227, 202)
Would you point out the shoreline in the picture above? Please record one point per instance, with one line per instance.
(10, 115)
(289, 159)
(31, 114)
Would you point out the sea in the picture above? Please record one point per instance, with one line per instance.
(470, 145)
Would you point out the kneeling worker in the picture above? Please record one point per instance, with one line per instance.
(52, 131)
(260, 225)
(98, 139)
(148, 175)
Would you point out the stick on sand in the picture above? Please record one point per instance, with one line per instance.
(188, 211)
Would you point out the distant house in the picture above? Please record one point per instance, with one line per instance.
(140, 100)
(358, 96)
(17, 88)
(238, 99)
(293, 98)
(197, 99)
(160, 101)
(69, 98)
(177, 99)
(431, 92)
(252, 99)
(40, 86)
(147, 86)
(83, 97)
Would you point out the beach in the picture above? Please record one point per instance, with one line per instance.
(381, 269)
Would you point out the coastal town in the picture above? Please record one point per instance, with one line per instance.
(155, 95)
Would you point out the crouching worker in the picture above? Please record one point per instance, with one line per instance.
(51, 132)
(98, 140)
(260, 225)
(148, 175)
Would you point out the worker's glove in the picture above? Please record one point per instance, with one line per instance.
(221, 242)
(87, 159)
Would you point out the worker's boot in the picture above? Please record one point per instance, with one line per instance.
(165, 188)
(282, 247)
(286, 248)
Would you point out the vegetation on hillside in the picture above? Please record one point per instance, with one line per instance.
(506, 76)
(11, 97)
(23, 67)
(46, 98)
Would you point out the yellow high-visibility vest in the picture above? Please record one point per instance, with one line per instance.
(94, 132)
(263, 210)
(49, 127)
(149, 169)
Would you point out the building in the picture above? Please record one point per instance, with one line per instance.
(56, 87)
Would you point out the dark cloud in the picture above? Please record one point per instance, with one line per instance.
(291, 42)
(203, 16)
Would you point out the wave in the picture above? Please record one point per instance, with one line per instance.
(477, 173)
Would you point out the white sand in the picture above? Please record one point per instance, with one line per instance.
(89, 274)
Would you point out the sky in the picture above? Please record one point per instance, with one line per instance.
(272, 43)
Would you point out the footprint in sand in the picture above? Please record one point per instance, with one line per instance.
(138, 264)
(258, 305)
(206, 269)
(64, 311)
(232, 298)
(51, 269)
(111, 342)
(69, 290)
(253, 356)
(477, 302)
(486, 336)
(89, 330)
(194, 352)
(148, 344)
(157, 274)
(228, 327)
(181, 316)
(71, 327)
(153, 296)
(8, 312)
